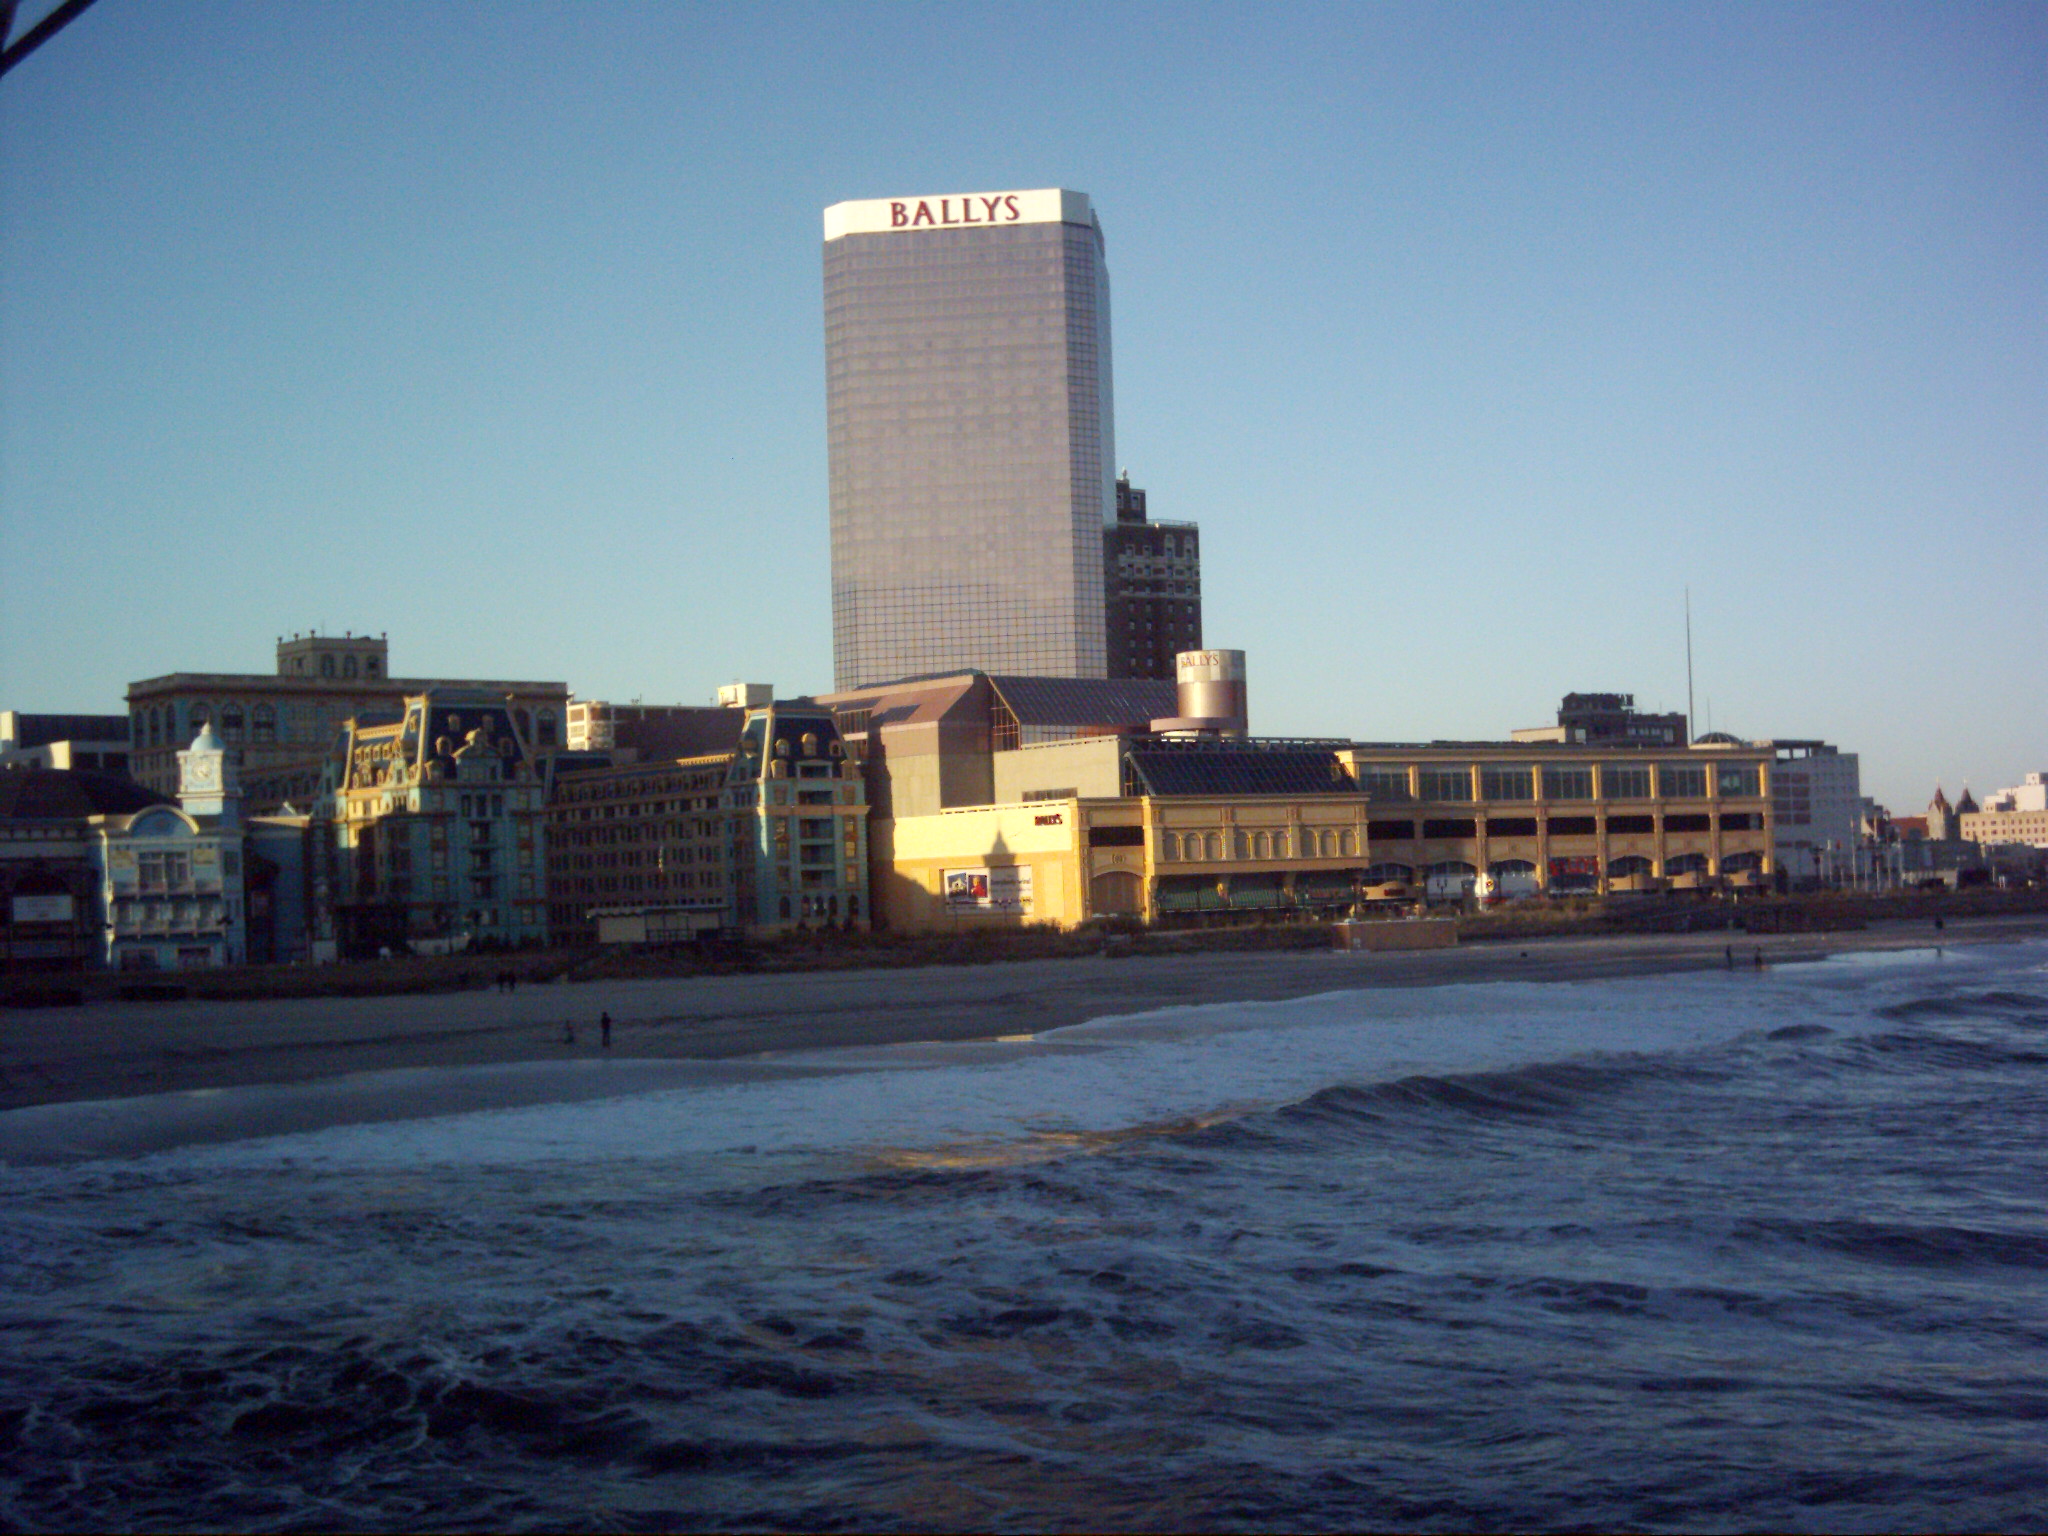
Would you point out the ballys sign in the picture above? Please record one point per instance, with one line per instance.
(965, 210)
(1000, 209)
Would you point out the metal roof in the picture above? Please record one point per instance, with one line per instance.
(1097, 701)
(1227, 770)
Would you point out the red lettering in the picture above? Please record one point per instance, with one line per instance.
(898, 215)
(989, 206)
(967, 211)
(1010, 202)
(923, 215)
(946, 211)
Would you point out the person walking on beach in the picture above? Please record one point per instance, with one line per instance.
(604, 1029)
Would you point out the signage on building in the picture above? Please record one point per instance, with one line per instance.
(42, 909)
(1578, 870)
(1004, 889)
(956, 210)
(1050, 819)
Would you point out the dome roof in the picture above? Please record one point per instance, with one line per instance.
(69, 794)
(205, 741)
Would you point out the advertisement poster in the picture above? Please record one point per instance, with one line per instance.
(1574, 872)
(1007, 889)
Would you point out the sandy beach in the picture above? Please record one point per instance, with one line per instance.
(669, 1029)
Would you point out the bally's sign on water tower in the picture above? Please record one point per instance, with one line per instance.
(956, 210)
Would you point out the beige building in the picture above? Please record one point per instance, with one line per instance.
(280, 727)
(1517, 819)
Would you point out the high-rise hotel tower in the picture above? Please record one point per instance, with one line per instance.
(973, 465)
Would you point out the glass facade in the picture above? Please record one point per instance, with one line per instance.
(968, 410)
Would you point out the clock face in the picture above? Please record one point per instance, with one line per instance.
(203, 774)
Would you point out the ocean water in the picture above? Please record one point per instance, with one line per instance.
(1687, 1252)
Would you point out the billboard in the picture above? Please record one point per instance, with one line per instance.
(1003, 889)
(42, 909)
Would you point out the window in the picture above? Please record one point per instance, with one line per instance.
(1567, 781)
(1626, 781)
(263, 723)
(231, 722)
(1383, 781)
(1735, 780)
(1682, 781)
(1505, 784)
(1446, 781)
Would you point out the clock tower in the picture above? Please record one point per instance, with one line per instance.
(208, 784)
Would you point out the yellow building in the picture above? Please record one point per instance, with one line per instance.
(1517, 819)
(1132, 826)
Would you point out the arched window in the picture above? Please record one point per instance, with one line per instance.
(264, 722)
(1262, 845)
(1215, 841)
(369, 666)
(231, 722)
(1169, 847)
(1349, 843)
(348, 666)
(327, 666)
(197, 717)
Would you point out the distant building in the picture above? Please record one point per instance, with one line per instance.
(1817, 806)
(434, 831)
(926, 743)
(2017, 816)
(197, 884)
(1152, 588)
(1016, 799)
(1564, 818)
(281, 727)
(172, 878)
(632, 733)
(647, 840)
(49, 884)
(769, 834)
(799, 822)
(969, 421)
(95, 742)
(1598, 719)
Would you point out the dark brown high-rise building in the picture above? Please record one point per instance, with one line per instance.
(1152, 588)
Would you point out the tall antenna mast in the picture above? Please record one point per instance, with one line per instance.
(1691, 724)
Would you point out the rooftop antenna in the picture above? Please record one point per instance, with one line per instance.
(1691, 721)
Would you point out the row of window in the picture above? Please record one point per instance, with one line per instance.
(1243, 843)
(1560, 781)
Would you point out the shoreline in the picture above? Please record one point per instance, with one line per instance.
(108, 1051)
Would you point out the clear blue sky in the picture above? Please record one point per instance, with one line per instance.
(1471, 335)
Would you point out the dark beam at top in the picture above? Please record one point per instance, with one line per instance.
(36, 35)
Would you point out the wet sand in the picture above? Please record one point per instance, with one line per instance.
(110, 1051)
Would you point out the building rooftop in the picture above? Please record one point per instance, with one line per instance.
(70, 794)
